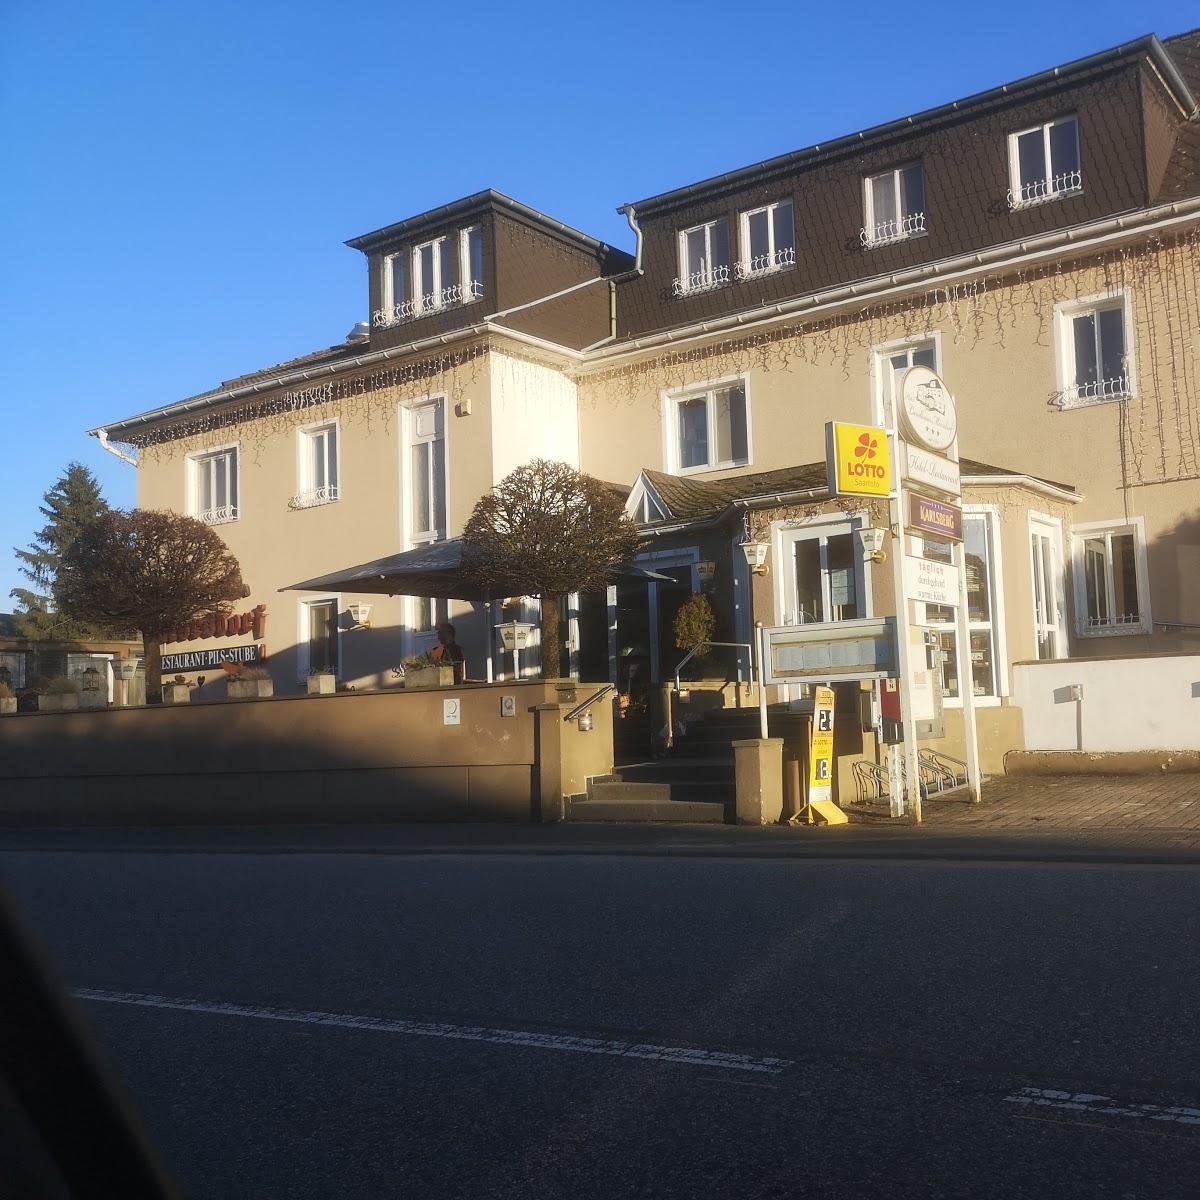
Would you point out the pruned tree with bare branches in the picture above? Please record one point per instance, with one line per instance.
(547, 530)
(147, 572)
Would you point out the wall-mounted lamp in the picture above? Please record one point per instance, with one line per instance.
(756, 557)
(91, 680)
(870, 541)
(705, 571)
(360, 614)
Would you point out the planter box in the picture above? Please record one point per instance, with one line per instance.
(324, 684)
(176, 693)
(430, 677)
(249, 689)
(8, 705)
(58, 703)
(98, 699)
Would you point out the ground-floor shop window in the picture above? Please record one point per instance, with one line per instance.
(983, 583)
(12, 669)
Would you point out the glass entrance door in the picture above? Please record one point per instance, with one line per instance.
(1045, 543)
(827, 581)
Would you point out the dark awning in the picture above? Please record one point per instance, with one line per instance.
(433, 570)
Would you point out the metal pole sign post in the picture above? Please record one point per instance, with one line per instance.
(927, 435)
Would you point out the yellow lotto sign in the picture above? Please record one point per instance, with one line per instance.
(857, 460)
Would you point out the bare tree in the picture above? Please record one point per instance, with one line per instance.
(547, 530)
(148, 572)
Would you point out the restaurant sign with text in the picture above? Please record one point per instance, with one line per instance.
(857, 460)
(934, 517)
(206, 660)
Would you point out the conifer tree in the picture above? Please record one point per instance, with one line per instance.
(73, 504)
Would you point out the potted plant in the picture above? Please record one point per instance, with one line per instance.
(59, 694)
(694, 626)
(8, 699)
(321, 683)
(250, 683)
(424, 671)
(178, 691)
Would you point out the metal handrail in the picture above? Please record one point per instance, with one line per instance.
(687, 658)
(582, 707)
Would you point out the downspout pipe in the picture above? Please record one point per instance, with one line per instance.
(631, 218)
(105, 444)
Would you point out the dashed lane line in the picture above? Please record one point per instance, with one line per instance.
(526, 1039)
(1093, 1105)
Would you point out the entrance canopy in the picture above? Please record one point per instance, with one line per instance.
(435, 570)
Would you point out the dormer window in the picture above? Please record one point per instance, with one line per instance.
(1043, 163)
(703, 257)
(768, 240)
(895, 205)
(434, 275)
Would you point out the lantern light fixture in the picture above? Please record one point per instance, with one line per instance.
(871, 543)
(756, 557)
(360, 615)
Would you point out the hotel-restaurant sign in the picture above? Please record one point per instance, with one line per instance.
(205, 660)
(934, 517)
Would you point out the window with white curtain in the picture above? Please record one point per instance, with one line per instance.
(703, 257)
(433, 275)
(427, 472)
(768, 239)
(318, 482)
(1044, 163)
(895, 205)
(470, 270)
(214, 485)
(711, 429)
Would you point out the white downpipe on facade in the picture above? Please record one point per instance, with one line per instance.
(760, 646)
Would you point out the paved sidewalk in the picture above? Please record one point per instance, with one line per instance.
(1080, 802)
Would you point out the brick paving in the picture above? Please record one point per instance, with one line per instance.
(1165, 803)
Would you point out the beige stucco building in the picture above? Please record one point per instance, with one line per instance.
(1037, 245)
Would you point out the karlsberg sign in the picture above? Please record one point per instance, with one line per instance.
(857, 460)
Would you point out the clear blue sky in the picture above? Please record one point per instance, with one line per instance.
(177, 179)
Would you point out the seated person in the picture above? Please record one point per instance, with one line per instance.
(449, 651)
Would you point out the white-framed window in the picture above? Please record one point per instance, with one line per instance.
(703, 257)
(985, 615)
(1044, 162)
(825, 579)
(433, 275)
(1095, 362)
(426, 490)
(427, 613)
(768, 239)
(708, 428)
(1112, 582)
(1048, 573)
(395, 282)
(318, 465)
(891, 360)
(319, 635)
(470, 263)
(213, 485)
(894, 205)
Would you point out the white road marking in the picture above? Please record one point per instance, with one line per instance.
(681, 1055)
(1103, 1106)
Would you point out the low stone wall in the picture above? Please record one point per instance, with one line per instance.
(360, 756)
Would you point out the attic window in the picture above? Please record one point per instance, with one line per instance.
(649, 509)
(1043, 163)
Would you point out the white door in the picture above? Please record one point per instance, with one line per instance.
(1049, 606)
(826, 580)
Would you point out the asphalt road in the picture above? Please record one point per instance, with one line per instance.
(555, 1024)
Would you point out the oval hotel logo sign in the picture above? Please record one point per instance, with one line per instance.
(857, 460)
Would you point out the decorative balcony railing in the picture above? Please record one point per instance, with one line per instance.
(766, 264)
(1116, 621)
(703, 280)
(218, 516)
(883, 233)
(1099, 391)
(1040, 190)
(421, 306)
(314, 497)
